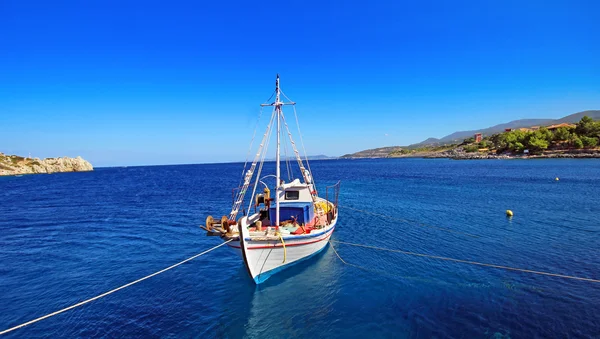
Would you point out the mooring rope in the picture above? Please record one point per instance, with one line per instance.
(470, 262)
(407, 221)
(381, 272)
(420, 279)
(344, 261)
(111, 291)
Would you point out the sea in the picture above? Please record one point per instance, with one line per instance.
(67, 237)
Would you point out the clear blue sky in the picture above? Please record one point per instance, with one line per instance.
(148, 82)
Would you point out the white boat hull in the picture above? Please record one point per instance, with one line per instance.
(263, 258)
(295, 207)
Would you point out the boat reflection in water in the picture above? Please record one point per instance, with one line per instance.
(280, 305)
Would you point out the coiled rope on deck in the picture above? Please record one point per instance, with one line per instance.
(284, 250)
(111, 291)
(470, 262)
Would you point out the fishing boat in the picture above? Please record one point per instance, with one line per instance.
(278, 229)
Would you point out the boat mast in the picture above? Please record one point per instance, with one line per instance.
(278, 105)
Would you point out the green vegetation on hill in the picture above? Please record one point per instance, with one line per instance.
(562, 140)
(586, 134)
(456, 137)
(418, 150)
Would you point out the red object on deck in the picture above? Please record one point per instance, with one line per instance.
(299, 230)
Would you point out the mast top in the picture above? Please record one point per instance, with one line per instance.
(277, 102)
(277, 83)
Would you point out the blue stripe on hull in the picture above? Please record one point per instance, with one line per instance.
(264, 276)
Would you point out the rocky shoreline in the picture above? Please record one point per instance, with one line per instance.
(541, 156)
(460, 154)
(16, 165)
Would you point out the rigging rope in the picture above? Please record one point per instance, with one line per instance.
(251, 143)
(301, 142)
(296, 153)
(411, 221)
(299, 159)
(287, 160)
(304, 149)
(262, 159)
(470, 262)
(248, 176)
(111, 291)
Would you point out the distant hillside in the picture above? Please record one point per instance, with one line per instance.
(310, 157)
(374, 153)
(574, 118)
(458, 137)
(319, 157)
(429, 141)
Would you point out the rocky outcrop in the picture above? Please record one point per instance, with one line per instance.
(460, 154)
(15, 165)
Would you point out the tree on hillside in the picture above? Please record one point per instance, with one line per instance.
(471, 148)
(585, 126)
(537, 143)
(499, 140)
(485, 144)
(518, 147)
(544, 133)
(585, 134)
(561, 134)
(575, 141)
(595, 130)
(589, 141)
(512, 141)
(516, 140)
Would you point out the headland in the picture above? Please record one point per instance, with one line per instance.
(17, 165)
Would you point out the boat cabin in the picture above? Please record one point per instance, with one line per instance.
(295, 203)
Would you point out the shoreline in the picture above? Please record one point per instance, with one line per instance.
(585, 154)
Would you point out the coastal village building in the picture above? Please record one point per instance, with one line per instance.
(564, 124)
(535, 128)
(477, 137)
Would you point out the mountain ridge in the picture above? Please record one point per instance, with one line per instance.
(459, 136)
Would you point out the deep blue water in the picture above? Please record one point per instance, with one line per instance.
(67, 237)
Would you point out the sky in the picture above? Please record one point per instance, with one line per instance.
(169, 82)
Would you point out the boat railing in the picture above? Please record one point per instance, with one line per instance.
(333, 191)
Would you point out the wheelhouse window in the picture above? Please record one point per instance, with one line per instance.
(292, 195)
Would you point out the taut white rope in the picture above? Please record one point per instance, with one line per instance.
(470, 262)
(111, 291)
